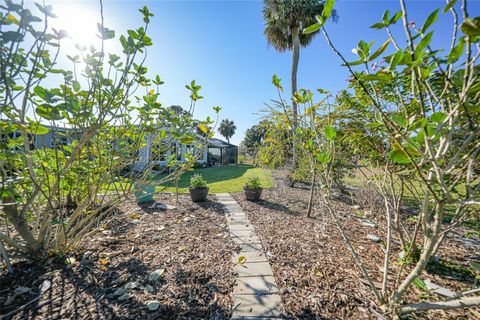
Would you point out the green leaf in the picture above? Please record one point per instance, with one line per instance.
(420, 284)
(354, 63)
(277, 82)
(61, 34)
(395, 18)
(313, 28)
(430, 20)
(386, 16)
(396, 59)
(11, 36)
(38, 129)
(449, 6)
(75, 59)
(379, 76)
(330, 132)
(378, 26)
(380, 50)
(40, 92)
(323, 157)
(438, 117)
(399, 120)
(424, 42)
(48, 112)
(399, 156)
(75, 85)
(456, 51)
(105, 33)
(471, 27)
(327, 9)
(47, 10)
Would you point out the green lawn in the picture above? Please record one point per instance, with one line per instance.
(223, 179)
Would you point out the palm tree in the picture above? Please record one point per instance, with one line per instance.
(284, 22)
(227, 129)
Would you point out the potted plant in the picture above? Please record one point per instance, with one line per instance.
(144, 188)
(253, 189)
(198, 188)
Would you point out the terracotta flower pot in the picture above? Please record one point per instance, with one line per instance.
(198, 194)
(253, 194)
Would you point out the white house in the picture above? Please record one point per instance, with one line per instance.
(210, 151)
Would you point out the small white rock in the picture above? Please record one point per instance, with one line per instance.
(46, 284)
(119, 292)
(153, 305)
(369, 224)
(155, 275)
(149, 288)
(133, 285)
(373, 238)
(124, 297)
(21, 290)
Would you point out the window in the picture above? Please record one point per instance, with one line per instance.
(59, 140)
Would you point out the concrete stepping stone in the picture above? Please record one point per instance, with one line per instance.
(242, 233)
(248, 239)
(257, 285)
(250, 256)
(255, 293)
(246, 247)
(256, 307)
(243, 226)
(253, 269)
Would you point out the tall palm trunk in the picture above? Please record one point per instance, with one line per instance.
(295, 59)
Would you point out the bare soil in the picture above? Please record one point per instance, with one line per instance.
(315, 271)
(189, 246)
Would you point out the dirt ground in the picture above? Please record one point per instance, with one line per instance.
(315, 271)
(188, 249)
(151, 263)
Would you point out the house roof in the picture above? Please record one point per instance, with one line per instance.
(219, 143)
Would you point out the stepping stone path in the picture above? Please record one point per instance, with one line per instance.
(255, 294)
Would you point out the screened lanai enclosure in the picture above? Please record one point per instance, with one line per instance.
(221, 152)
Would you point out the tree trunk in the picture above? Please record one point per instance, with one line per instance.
(33, 246)
(464, 302)
(295, 59)
(310, 200)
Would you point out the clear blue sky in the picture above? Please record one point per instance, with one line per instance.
(221, 45)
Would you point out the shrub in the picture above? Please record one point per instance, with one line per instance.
(197, 181)
(253, 183)
(53, 196)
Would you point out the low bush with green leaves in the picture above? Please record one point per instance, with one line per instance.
(197, 181)
(253, 183)
(99, 115)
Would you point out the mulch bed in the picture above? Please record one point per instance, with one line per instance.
(314, 269)
(188, 246)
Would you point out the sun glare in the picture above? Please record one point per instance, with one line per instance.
(80, 24)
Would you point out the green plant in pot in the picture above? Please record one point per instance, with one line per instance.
(253, 189)
(198, 188)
